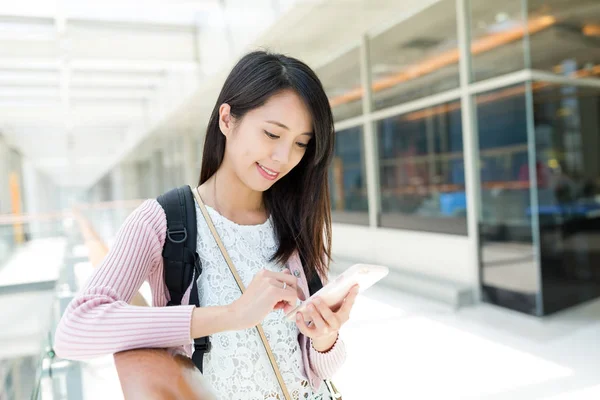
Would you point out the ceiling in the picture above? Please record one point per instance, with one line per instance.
(83, 82)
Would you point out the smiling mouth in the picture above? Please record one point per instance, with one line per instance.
(266, 172)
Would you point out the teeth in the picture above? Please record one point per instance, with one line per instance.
(267, 171)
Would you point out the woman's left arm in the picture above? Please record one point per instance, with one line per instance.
(326, 352)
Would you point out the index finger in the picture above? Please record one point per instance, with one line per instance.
(282, 277)
(349, 300)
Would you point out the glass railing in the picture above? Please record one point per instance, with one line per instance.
(38, 373)
(17, 231)
(28, 278)
(87, 232)
(56, 378)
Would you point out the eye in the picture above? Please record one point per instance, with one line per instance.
(271, 136)
(302, 145)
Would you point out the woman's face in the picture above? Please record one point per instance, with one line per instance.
(269, 141)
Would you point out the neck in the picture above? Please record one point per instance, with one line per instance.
(227, 194)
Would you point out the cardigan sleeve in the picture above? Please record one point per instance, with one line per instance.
(99, 320)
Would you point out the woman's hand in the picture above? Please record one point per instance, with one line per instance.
(325, 322)
(268, 291)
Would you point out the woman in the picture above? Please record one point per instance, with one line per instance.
(264, 180)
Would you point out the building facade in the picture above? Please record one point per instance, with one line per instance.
(468, 136)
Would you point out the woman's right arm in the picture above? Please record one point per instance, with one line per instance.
(99, 321)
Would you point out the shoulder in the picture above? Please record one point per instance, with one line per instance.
(149, 216)
(149, 212)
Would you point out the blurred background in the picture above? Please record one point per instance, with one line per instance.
(466, 160)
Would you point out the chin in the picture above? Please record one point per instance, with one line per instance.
(258, 186)
(264, 187)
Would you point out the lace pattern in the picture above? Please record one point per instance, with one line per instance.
(237, 367)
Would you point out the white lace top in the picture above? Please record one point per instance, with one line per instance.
(237, 367)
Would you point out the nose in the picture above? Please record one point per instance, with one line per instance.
(281, 153)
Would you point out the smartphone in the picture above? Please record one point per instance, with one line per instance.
(333, 294)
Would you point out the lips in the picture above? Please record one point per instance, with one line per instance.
(266, 172)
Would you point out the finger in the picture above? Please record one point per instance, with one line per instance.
(281, 305)
(295, 284)
(327, 314)
(287, 307)
(301, 323)
(288, 278)
(288, 295)
(282, 277)
(279, 284)
(348, 303)
(317, 319)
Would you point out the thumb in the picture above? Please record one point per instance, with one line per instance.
(287, 271)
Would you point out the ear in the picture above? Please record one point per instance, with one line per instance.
(225, 119)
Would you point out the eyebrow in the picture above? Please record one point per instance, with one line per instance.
(279, 124)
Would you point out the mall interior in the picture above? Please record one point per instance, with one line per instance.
(467, 161)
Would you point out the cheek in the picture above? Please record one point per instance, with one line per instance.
(246, 153)
(242, 149)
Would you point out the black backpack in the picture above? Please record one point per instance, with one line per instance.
(182, 265)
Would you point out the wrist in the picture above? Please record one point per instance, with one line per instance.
(207, 321)
(233, 316)
(324, 344)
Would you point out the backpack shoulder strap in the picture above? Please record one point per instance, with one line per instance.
(181, 262)
(182, 265)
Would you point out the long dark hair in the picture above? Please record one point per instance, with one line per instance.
(298, 203)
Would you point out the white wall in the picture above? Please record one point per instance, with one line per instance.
(438, 255)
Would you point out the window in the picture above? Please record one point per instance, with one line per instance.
(413, 60)
(342, 83)
(497, 37)
(347, 178)
(509, 270)
(422, 170)
(567, 142)
(570, 43)
(503, 157)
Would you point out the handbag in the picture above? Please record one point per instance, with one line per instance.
(336, 395)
